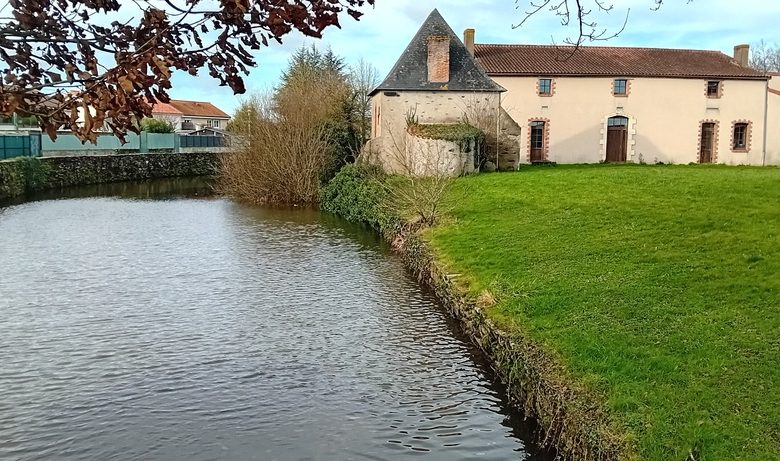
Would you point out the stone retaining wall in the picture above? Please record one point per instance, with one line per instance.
(23, 175)
(572, 421)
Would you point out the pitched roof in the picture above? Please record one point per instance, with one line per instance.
(198, 108)
(411, 70)
(609, 61)
(164, 108)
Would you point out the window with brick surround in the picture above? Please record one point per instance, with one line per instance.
(740, 137)
(620, 87)
(545, 87)
(713, 89)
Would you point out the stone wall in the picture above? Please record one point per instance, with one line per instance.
(23, 175)
(433, 157)
(425, 156)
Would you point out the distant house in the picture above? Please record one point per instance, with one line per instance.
(189, 116)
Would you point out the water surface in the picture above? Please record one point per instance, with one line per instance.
(135, 328)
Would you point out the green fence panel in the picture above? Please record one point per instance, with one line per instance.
(69, 142)
(15, 146)
(160, 141)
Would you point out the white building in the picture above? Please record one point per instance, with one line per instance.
(584, 105)
(618, 104)
(188, 116)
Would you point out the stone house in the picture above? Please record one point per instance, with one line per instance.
(436, 81)
(589, 105)
(620, 104)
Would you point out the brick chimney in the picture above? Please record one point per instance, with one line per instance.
(438, 59)
(742, 55)
(468, 40)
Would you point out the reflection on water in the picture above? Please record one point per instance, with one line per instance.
(203, 329)
(169, 188)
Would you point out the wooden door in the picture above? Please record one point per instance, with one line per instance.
(617, 139)
(537, 141)
(707, 150)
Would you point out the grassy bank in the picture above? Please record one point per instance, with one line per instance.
(657, 287)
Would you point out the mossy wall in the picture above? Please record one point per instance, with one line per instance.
(23, 175)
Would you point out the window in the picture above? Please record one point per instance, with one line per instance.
(617, 121)
(545, 87)
(620, 87)
(713, 89)
(213, 123)
(537, 135)
(740, 136)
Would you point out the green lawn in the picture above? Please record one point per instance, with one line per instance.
(657, 286)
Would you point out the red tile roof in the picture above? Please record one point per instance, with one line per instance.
(167, 109)
(609, 61)
(198, 108)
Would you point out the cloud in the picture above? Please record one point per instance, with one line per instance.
(384, 31)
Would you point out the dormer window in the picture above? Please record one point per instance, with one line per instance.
(620, 87)
(713, 89)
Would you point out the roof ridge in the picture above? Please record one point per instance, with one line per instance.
(525, 59)
(597, 47)
(190, 100)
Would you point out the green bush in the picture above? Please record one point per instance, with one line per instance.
(154, 125)
(22, 175)
(359, 193)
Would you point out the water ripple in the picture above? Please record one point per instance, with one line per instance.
(202, 329)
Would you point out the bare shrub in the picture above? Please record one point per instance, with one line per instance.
(500, 148)
(283, 153)
(417, 194)
(363, 78)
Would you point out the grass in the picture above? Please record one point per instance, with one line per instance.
(658, 287)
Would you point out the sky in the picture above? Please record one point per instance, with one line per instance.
(385, 29)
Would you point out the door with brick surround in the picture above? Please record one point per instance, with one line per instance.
(617, 139)
(707, 149)
(537, 141)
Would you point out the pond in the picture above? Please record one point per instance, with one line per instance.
(152, 321)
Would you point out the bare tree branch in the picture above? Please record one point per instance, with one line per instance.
(584, 16)
(73, 73)
(765, 57)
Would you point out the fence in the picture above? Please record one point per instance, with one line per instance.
(203, 141)
(20, 146)
(32, 144)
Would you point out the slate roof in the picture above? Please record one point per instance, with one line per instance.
(509, 60)
(411, 70)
